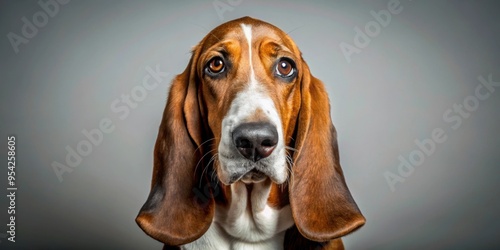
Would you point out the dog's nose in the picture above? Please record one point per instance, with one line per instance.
(255, 140)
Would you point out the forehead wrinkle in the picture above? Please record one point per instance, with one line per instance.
(221, 36)
(221, 47)
(274, 34)
(269, 51)
(271, 43)
(276, 46)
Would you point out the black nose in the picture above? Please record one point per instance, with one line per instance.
(255, 140)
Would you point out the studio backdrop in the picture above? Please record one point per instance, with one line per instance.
(414, 89)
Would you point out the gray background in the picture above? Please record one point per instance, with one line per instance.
(392, 93)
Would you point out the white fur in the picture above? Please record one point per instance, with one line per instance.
(247, 30)
(245, 225)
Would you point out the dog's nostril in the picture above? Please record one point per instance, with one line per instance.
(255, 140)
(267, 143)
(243, 143)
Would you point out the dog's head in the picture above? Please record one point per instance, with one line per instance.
(246, 109)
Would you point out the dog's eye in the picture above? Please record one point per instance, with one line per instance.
(285, 68)
(215, 66)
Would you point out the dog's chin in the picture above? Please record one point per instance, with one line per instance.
(253, 176)
(249, 177)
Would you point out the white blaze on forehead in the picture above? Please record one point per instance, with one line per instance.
(247, 30)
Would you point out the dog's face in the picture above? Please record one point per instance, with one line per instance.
(248, 103)
(250, 80)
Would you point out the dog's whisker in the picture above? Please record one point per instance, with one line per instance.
(291, 148)
(289, 166)
(201, 159)
(205, 142)
(294, 29)
(205, 169)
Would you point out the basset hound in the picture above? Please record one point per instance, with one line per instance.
(246, 155)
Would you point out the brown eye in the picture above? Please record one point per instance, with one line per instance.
(285, 68)
(215, 66)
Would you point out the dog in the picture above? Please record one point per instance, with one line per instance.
(246, 155)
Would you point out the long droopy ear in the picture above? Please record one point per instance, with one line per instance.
(322, 206)
(174, 213)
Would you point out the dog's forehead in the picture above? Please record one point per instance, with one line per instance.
(233, 30)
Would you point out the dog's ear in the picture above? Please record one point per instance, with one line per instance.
(294, 240)
(174, 212)
(322, 206)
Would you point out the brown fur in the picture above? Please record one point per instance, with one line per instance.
(322, 206)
